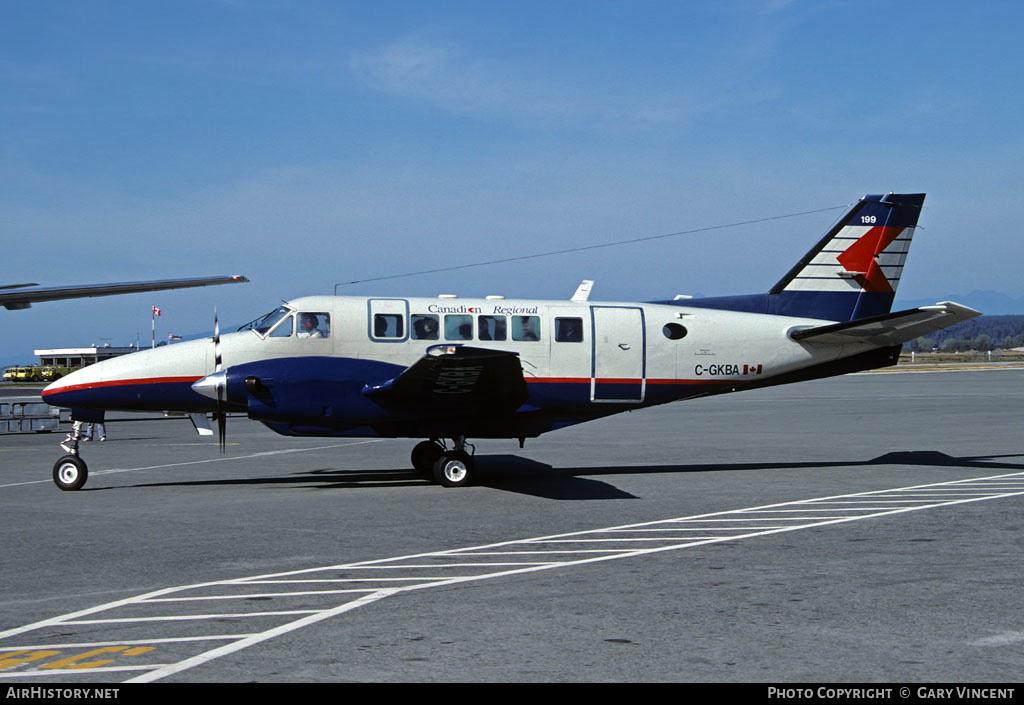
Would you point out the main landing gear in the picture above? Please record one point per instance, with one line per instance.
(71, 472)
(433, 460)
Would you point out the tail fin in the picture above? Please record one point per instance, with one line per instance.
(853, 271)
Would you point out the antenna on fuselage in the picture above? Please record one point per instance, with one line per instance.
(583, 290)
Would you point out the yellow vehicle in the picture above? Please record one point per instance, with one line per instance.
(54, 372)
(29, 373)
(36, 373)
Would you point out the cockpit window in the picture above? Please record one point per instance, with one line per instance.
(314, 325)
(283, 329)
(264, 324)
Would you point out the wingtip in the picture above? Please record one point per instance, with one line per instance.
(960, 309)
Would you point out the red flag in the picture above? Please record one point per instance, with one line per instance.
(156, 311)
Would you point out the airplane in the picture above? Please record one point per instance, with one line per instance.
(28, 294)
(448, 369)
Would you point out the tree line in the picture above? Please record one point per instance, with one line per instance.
(984, 333)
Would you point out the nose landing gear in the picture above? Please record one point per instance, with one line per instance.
(70, 472)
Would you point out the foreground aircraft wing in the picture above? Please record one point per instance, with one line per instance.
(888, 329)
(19, 296)
(454, 380)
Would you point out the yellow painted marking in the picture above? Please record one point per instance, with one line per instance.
(138, 650)
(73, 661)
(16, 658)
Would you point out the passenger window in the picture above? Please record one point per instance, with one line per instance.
(458, 327)
(314, 325)
(388, 325)
(424, 326)
(491, 328)
(525, 327)
(284, 328)
(569, 330)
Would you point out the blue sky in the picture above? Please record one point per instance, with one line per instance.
(308, 143)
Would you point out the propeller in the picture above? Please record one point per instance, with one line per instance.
(222, 430)
(215, 385)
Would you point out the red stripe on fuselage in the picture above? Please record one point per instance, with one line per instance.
(634, 380)
(121, 383)
(531, 380)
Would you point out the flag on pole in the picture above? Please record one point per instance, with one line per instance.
(156, 312)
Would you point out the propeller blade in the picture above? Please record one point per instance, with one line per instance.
(222, 422)
(222, 429)
(217, 361)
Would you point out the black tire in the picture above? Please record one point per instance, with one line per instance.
(70, 473)
(424, 455)
(454, 469)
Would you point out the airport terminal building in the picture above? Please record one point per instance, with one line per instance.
(80, 357)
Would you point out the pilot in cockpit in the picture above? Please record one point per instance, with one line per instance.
(309, 326)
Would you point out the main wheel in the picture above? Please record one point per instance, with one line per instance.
(453, 469)
(424, 455)
(70, 473)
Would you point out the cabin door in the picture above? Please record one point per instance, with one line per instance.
(618, 370)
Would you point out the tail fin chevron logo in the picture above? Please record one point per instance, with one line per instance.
(861, 258)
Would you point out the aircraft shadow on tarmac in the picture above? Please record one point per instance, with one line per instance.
(511, 473)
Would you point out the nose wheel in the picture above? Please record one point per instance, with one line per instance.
(71, 472)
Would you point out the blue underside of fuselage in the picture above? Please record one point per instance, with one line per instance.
(324, 396)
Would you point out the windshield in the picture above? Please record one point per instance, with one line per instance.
(263, 325)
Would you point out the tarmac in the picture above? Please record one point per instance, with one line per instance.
(865, 528)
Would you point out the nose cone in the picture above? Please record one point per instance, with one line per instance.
(157, 379)
(212, 386)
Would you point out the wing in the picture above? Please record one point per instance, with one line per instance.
(25, 296)
(888, 329)
(454, 380)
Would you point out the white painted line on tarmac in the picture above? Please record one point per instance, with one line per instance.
(190, 617)
(264, 454)
(1004, 639)
(100, 669)
(127, 642)
(470, 572)
(263, 595)
(164, 671)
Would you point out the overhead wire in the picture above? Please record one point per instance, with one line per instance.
(585, 248)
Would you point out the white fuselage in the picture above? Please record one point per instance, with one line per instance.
(609, 352)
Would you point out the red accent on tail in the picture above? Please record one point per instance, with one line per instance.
(860, 257)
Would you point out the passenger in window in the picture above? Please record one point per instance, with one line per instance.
(569, 330)
(309, 326)
(458, 327)
(528, 330)
(380, 326)
(424, 327)
(491, 328)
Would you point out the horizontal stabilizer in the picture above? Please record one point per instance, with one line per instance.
(889, 329)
